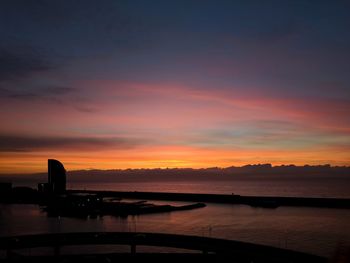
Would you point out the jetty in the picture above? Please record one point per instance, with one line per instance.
(255, 201)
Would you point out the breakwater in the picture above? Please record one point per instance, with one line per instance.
(258, 201)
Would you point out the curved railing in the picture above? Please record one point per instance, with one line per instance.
(227, 248)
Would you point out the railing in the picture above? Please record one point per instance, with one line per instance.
(222, 247)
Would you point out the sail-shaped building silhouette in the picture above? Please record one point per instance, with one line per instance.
(56, 176)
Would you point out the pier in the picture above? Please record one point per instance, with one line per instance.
(255, 201)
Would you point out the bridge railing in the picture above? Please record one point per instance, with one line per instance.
(222, 247)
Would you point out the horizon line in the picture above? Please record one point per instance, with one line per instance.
(201, 168)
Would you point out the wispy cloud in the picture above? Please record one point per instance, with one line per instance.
(38, 93)
(13, 143)
(20, 62)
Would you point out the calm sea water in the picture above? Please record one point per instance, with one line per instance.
(316, 230)
(299, 186)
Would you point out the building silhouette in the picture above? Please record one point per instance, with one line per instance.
(56, 176)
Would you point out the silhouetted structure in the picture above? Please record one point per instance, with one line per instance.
(5, 187)
(5, 190)
(44, 188)
(56, 177)
(214, 249)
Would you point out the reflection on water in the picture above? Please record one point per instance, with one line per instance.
(312, 230)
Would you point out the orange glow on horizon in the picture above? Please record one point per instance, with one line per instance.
(169, 157)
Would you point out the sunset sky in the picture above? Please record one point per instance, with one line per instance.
(145, 84)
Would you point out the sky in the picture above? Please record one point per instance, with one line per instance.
(145, 84)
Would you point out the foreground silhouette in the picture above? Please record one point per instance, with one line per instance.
(213, 249)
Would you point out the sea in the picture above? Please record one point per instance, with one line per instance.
(319, 231)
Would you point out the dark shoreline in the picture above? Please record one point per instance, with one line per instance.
(256, 201)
